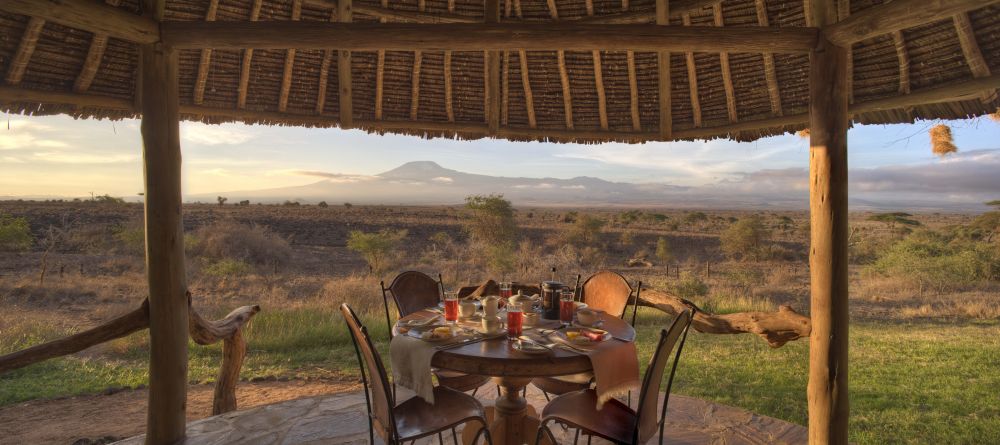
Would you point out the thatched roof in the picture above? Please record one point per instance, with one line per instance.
(614, 98)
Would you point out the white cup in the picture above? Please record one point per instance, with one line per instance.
(491, 324)
(586, 317)
(466, 309)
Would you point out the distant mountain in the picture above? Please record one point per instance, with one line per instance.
(428, 183)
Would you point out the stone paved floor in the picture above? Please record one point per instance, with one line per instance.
(340, 419)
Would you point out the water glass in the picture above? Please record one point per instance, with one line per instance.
(567, 306)
(515, 320)
(451, 307)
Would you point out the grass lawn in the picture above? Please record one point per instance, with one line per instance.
(921, 382)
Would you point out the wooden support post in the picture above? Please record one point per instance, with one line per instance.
(24, 51)
(529, 101)
(664, 75)
(692, 70)
(491, 67)
(168, 307)
(727, 77)
(567, 94)
(344, 15)
(828, 123)
(241, 98)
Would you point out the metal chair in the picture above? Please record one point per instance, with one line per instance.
(414, 418)
(616, 421)
(413, 291)
(604, 291)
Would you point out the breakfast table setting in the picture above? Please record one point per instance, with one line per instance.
(514, 338)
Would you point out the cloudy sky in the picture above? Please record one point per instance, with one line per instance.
(60, 156)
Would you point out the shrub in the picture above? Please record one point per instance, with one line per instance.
(323, 204)
(695, 217)
(107, 199)
(490, 220)
(932, 259)
(375, 246)
(348, 205)
(253, 244)
(745, 238)
(586, 230)
(132, 238)
(689, 286)
(15, 233)
(227, 268)
(663, 252)
(244, 202)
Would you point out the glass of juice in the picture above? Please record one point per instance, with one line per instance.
(505, 289)
(451, 307)
(515, 319)
(567, 306)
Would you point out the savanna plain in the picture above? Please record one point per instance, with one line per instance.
(924, 307)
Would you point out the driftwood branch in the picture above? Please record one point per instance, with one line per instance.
(122, 326)
(777, 328)
(202, 331)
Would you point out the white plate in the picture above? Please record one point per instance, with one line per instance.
(494, 334)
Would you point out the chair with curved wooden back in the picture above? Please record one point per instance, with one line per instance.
(603, 291)
(616, 421)
(413, 291)
(413, 418)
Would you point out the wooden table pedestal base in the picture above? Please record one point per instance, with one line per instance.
(512, 420)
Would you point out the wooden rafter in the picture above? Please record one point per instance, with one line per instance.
(666, 124)
(970, 47)
(380, 72)
(344, 76)
(567, 94)
(553, 9)
(625, 5)
(505, 88)
(896, 16)
(633, 88)
(692, 71)
(241, 98)
(904, 61)
(89, 15)
(415, 84)
(529, 101)
(517, 9)
(98, 44)
(727, 77)
(384, 13)
(286, 74)
(843, 12)
(602, 103)
(24, 51)
(770, 73)
(589, 5)
(491, 74)
(324, 75)
(206, 59)
(677, 9)
(449, 108)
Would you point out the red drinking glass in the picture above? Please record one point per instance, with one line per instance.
(451, 307)
(515, 319)
(567, 306)
(505, 290)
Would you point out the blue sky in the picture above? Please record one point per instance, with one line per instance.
(60, 156)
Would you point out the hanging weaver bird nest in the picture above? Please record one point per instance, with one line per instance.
(942, 144)
(803, 133)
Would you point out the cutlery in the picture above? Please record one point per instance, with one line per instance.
(529, 340)
(460, 343)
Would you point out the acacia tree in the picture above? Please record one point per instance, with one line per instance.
(375, 247)
(489, 221)
(745, 238)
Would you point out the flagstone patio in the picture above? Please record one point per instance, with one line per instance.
(341, 419)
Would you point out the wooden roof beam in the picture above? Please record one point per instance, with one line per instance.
(677, 10)
(324, 74)
(98, 44)
(664, 76)
(602, 102)
(529, 101)
(633, 90)
(567, 94)
(415, 84)
(491, 70)
(344, 75)
(904, 61)
(488, 36)
(449, 108)
(970, 47)
(241, 89)
(384, 13)
(88, 16)
(970, 89)
(770, 72)
(286, 74)
(727, 76)
(692, 70)
(206, 58)
(896, 16)
(843, 12)
(25, 49)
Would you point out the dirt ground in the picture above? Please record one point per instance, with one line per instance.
(91, 418)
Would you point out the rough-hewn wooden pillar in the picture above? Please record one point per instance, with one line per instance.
(828, 120)
(168, 308)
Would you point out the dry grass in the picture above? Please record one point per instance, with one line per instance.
(942, 143)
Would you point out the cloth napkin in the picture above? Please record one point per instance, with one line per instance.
(411, 365)
(616, 368)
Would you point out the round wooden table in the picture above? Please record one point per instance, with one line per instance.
(513, 421)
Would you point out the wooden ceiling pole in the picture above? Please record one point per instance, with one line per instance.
(727, 77)
(664, 76)
(380, 72)
(344, 76)
(770, 73)
(449, 109)
(491, 14)
(843, 12)
(828, 122)
(24, 51)
(324, 74)
(970, 49)
(241, 98)
(88, 15)
(206, 59)
(98, 44)
(165, 269)
(529, 101)
(286, 74)
(904, 62)
(692, 70)
(633, 88)
(415, 84)
(602, 104)
(567, 94)
(895, 16)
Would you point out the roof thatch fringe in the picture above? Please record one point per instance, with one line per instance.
(942, 143)
(995, 115)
